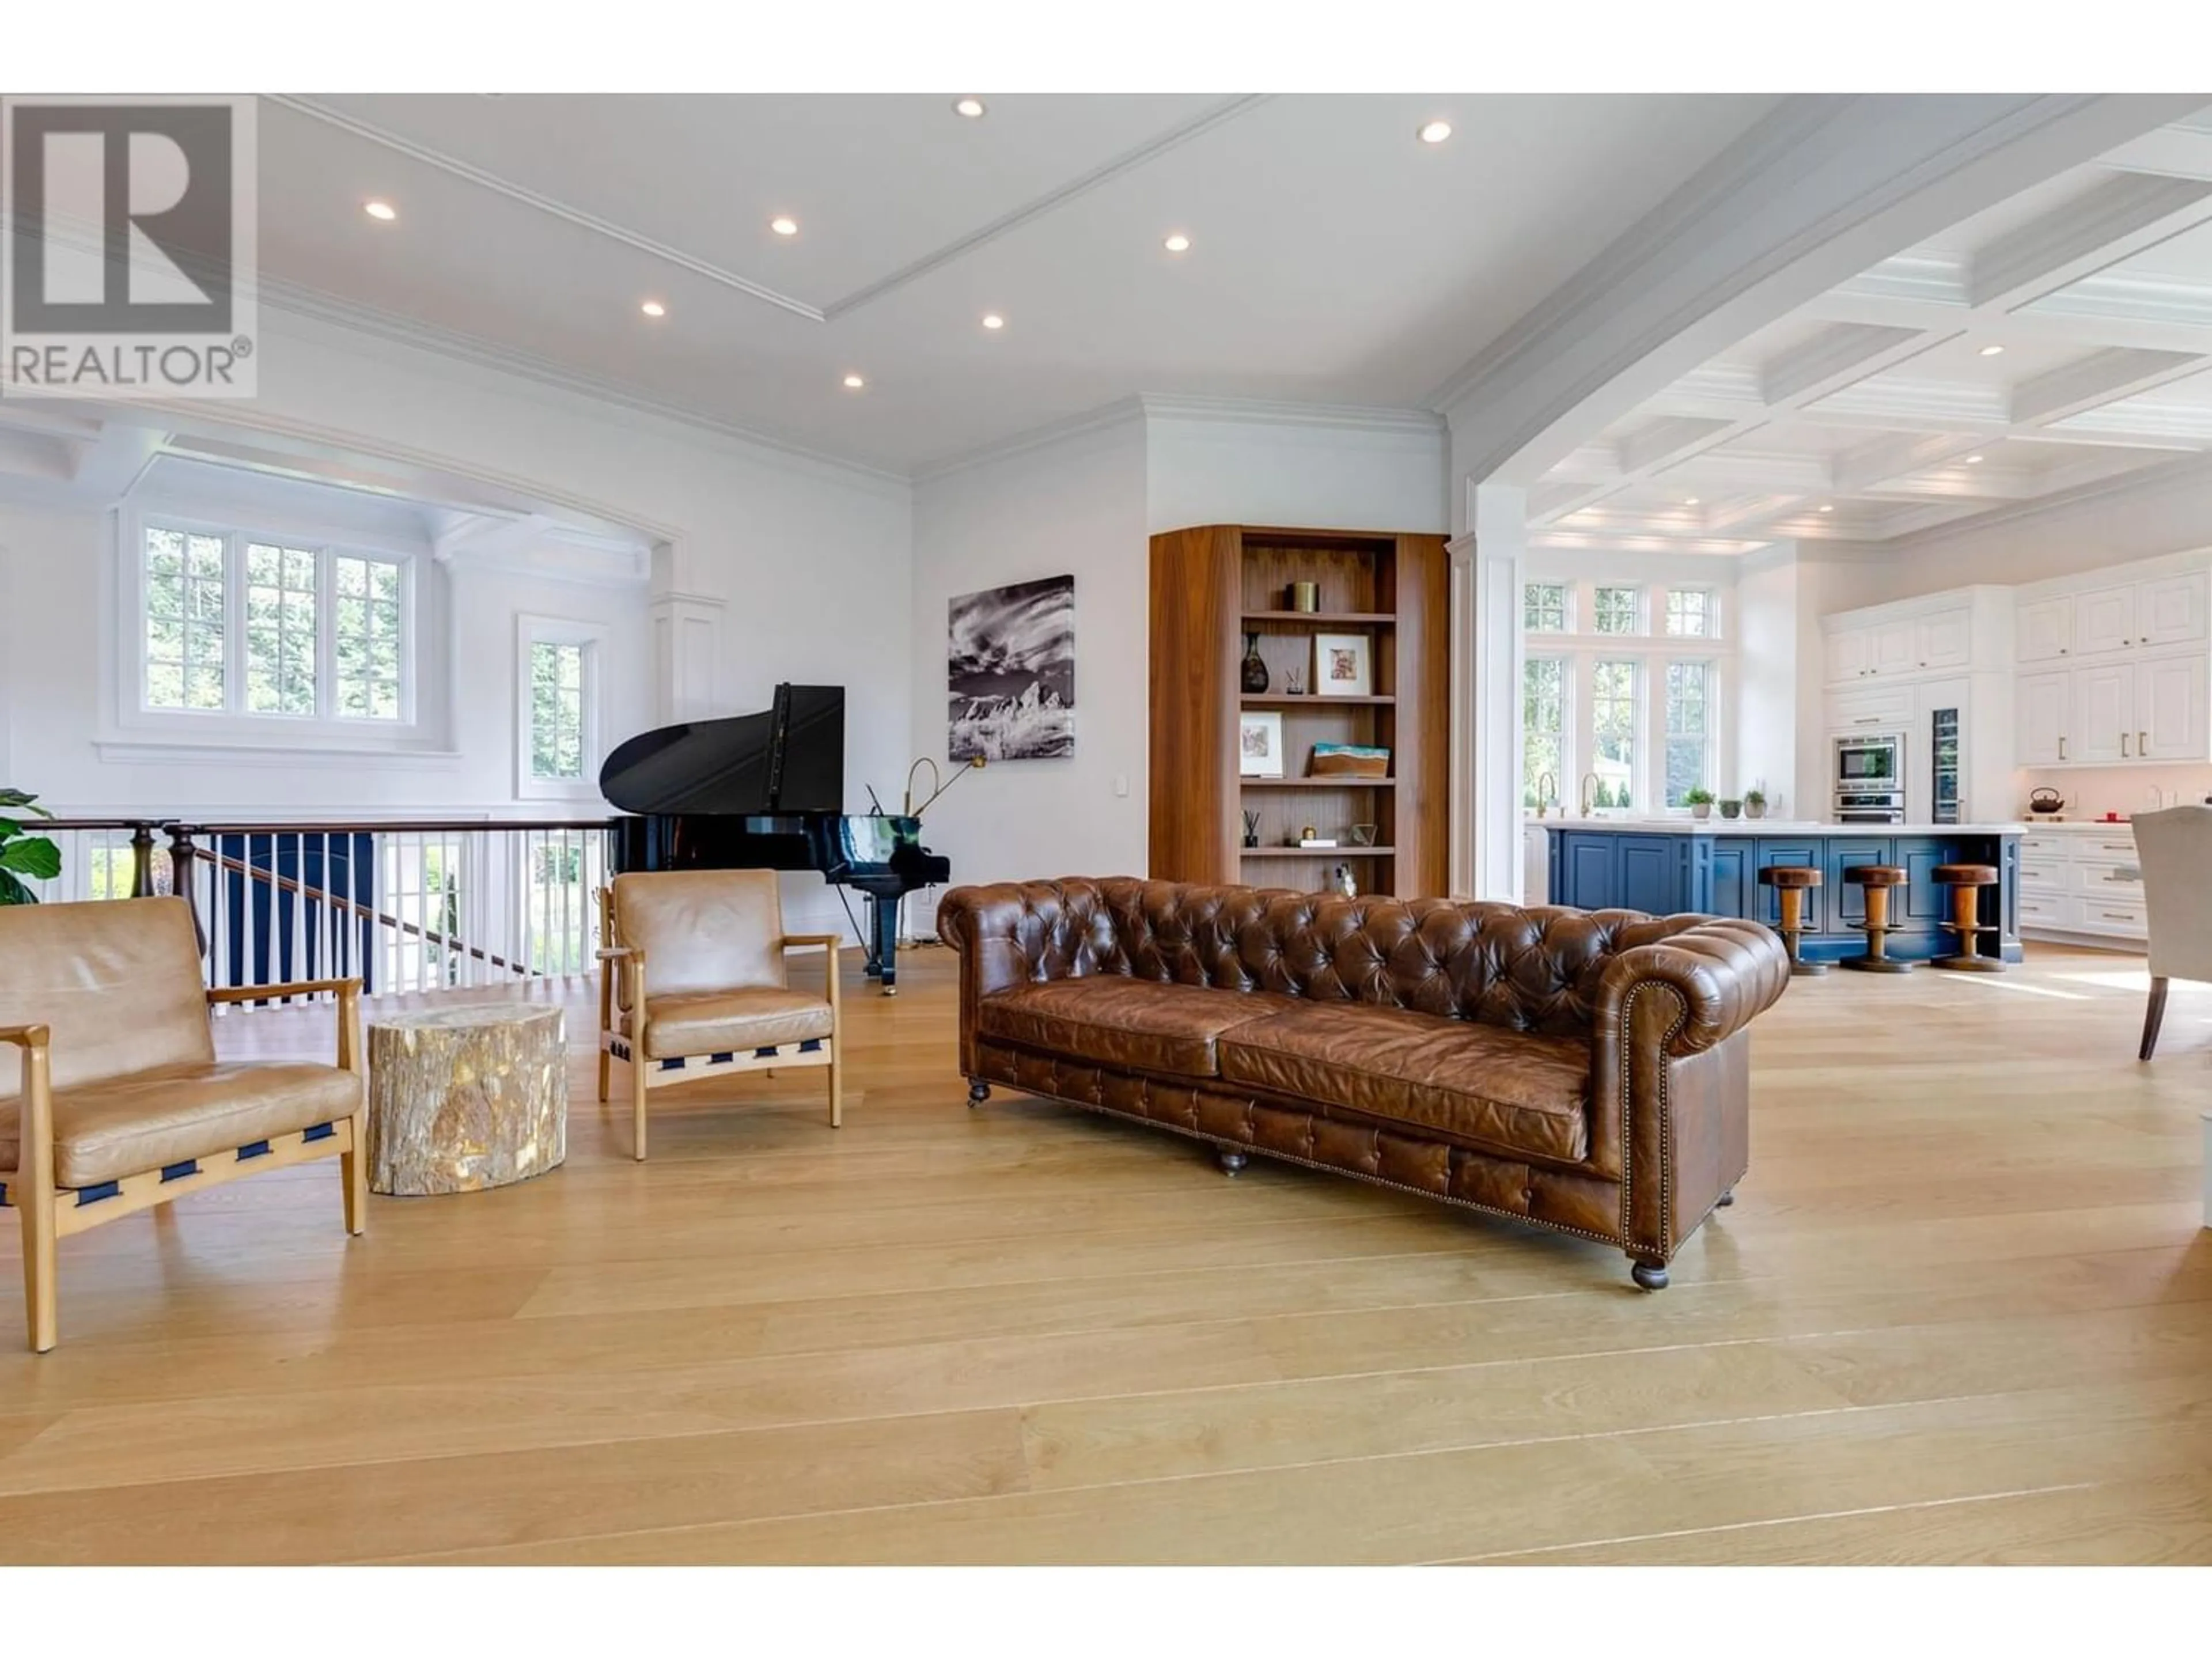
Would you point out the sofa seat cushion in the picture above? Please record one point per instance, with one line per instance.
(125, 1125)
(1134, 1024)
(1511, 1091)
(724, 1022)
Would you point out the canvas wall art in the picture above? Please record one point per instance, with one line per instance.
(1010, 673)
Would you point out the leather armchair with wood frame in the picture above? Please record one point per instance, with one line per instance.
(1585, 1070)
(122, 1104)
(692, 985)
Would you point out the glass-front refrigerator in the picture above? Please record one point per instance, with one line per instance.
(1943, 753)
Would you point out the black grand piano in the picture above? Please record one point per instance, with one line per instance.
(766, 792)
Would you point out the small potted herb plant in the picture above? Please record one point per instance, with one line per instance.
(1754, 803)
(1731, 808)
(1700, 801)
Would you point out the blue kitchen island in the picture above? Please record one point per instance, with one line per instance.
(1669, 865)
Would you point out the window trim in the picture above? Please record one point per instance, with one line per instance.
(235, 724)
(532, 629)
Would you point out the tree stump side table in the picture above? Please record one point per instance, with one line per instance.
(460, 1099)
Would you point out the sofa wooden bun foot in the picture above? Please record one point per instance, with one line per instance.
(1585, 1070)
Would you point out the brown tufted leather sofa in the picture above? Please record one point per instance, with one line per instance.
(1587, 1070)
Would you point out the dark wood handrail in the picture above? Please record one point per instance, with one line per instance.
(388, 826)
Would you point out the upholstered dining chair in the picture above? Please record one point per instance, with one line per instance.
(691, 985)
(2174, 848)
(123, 1103)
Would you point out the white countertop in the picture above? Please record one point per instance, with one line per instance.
(1720, 826)
(2074, 826)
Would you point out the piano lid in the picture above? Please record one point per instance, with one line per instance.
(789, 759)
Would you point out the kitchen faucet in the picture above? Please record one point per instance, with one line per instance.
(1547, 787)
(1589, 793)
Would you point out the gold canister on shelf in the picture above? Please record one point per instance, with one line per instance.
(1305, 596)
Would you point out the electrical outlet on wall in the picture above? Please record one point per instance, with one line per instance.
(1120, 783)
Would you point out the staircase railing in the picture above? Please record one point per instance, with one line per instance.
(406, 906)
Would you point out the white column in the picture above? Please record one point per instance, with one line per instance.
(687, 638)
(1493, 721)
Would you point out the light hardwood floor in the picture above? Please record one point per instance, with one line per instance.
(1962, 1311)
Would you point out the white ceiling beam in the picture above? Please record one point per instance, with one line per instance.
(2119, 218)
(1836, 357)
(1656, 443)
(1886, 458)
(2178, 152)
(1720, 467)
(2104, 377)
(487, 535)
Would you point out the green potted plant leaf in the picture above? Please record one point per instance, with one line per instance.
(1754, 803)
(1731, 808)
(23, 856)
(1700, 801)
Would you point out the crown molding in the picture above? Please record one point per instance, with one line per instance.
(1253, 411)
(1937, 279)
(1122, 411)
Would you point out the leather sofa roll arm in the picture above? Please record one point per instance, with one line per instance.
(1724, 971)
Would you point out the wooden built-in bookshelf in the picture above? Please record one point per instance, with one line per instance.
(1214, 584)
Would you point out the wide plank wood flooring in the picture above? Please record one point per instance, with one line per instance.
(1962, 1311)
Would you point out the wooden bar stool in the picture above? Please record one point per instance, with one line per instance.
(1790, 883)
(1877, 879)
(1965, 882)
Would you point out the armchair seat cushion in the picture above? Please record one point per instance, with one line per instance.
(1144, 1024)
(125, 1125)
(1517, 1092)
(723, 1022)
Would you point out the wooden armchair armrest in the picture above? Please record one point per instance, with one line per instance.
(833, 941)
(25, 1036)
(617, 953)
(297, 988)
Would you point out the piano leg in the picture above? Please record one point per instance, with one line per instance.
(883, 942)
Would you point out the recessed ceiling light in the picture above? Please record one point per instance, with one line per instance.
(1825, 508)
(1974, 460)
(972, 107)
(1689, 500)
(1992, 350)
(1435, 132)
(992, 319)
(1178, 243)
(383, 210)
(784, 225)
(653, 308)
(854, 383)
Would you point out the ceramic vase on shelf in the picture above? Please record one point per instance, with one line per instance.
(1256, 667)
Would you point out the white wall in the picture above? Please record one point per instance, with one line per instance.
(1076, 506)
(1088, 503)
(1769, 683)
(1383, 472)
(810, 560)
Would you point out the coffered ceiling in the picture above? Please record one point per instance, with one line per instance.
(1333, 257)
(2060, 339)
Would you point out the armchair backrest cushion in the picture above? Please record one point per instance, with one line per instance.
(117, 980)
(2175, 850)
(702, 930)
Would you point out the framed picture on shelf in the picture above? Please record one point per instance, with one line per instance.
(1259, 744)
(1342, 666)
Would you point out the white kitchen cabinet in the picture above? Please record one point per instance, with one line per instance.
(2173, 717)
(2046, 630)
(2172, 610)
(2102, 710)
(1944, 638)
(1851, 654)
(1871, 708)
(2044, 702)
(2104, 620)
(1896, 645)
(2080, 880)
